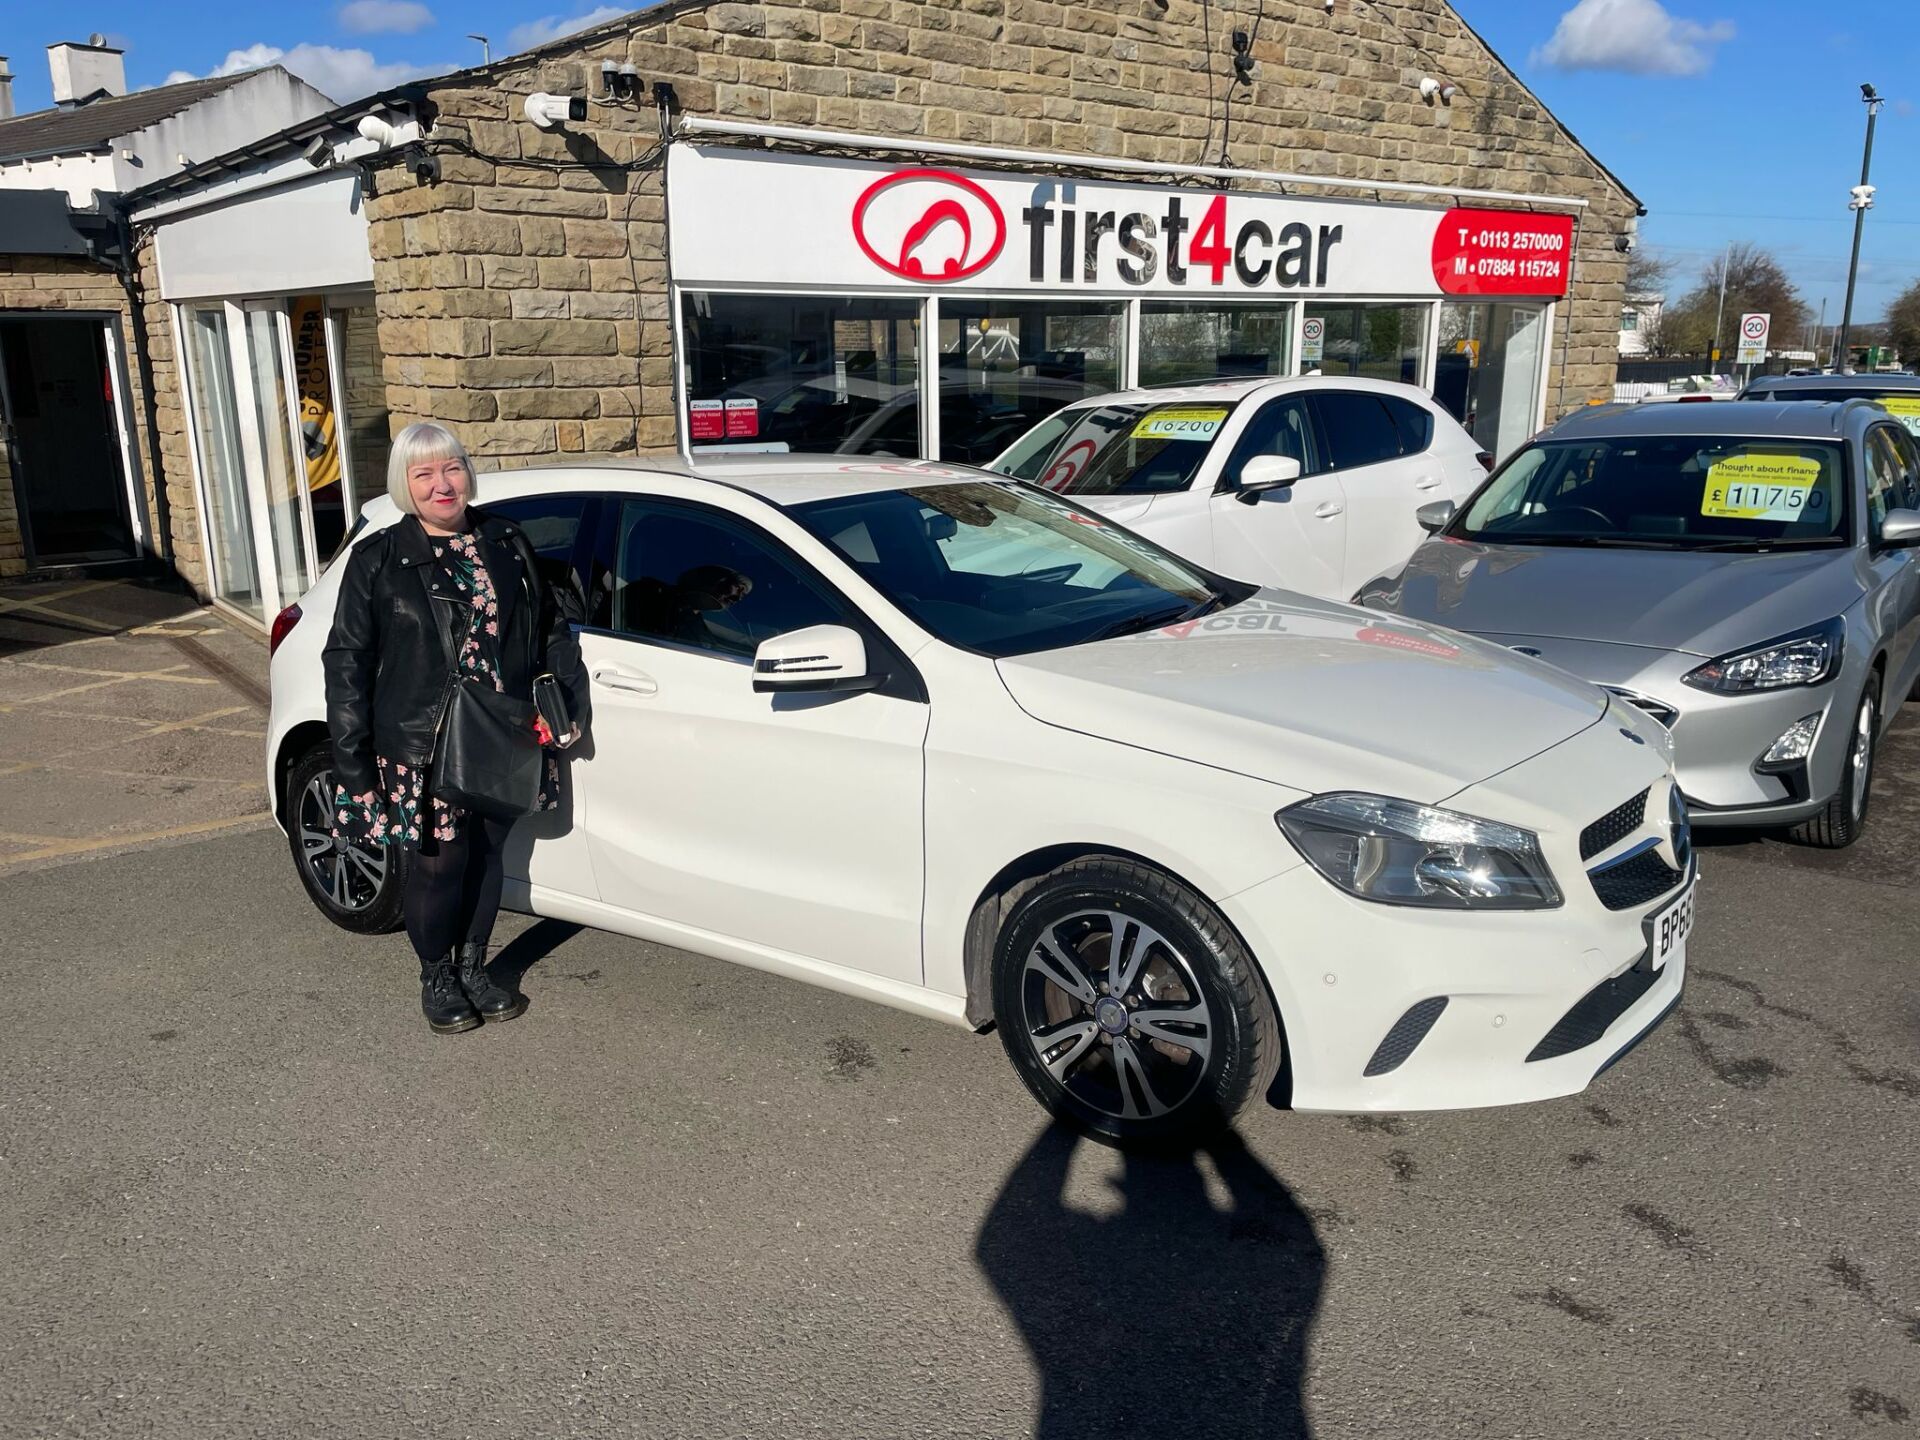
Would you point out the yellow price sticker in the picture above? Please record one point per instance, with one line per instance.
(1763, 487)
(1188, 422)
(1906, 407)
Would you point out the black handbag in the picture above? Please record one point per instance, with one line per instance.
(488, 758)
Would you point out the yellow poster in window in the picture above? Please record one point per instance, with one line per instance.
(1182, 422)
(320, 444)
(1905, 407)
(1763, 487)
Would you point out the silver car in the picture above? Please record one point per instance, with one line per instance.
(1742, 572)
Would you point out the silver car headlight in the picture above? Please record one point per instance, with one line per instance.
(1806, 657)
(1398, 853)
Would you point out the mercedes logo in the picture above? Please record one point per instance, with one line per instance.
(1679, 842)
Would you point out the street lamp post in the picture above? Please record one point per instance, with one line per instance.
(1861, 202)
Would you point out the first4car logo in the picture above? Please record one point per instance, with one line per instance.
(929, 225)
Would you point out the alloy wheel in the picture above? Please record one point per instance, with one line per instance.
(1116, 1014)
(349, 875)
(1860, 762)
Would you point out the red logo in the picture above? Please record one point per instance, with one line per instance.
(929, 225)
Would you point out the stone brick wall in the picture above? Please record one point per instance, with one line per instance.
(169, 428)
(56, 284)
(507, 292)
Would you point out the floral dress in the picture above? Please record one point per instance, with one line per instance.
(402, 810)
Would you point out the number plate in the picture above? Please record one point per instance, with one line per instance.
(1667, 931)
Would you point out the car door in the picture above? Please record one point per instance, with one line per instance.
(1893, 483)
(1384, 486)
(1292, 536)
(788, 822)
(549, 850)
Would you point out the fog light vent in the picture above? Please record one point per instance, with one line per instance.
(1407, 1032)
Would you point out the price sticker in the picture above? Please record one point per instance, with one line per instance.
(1904, 407)
(1189, 422)
(1763, 487)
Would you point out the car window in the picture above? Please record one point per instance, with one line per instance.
(1135, 449)
(1665, 492)
(1281, 427)
(1357, 428)
(1028, 455)
(551, 524)
(689, 577)
(1909, 452)
(1886, 478)
(1414, 422)
(1005, 569)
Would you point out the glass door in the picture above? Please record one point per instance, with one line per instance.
(227, 528)
(267, 432)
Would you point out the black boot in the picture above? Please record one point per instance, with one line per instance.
(489, 999)
(446, 1009)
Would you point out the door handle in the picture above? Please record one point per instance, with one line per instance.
(1426, 482)
(1327, 509)
(627, 680)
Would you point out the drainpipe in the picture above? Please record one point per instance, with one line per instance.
(123, 264)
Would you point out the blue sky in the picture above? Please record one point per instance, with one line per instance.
(1732, 119)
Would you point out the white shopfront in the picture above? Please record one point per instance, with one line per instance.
(933, 308)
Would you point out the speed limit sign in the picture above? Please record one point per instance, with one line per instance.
(1753, 339)
(1313, 340)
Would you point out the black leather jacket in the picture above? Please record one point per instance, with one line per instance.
(390, 656)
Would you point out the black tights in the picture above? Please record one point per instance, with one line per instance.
(454, 891)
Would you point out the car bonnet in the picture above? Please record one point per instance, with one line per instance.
(1312, 695)
(1696, 603)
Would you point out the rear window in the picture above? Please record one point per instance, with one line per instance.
(1904, 405)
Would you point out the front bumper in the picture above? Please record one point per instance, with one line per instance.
(1388, 1008)
(1718, 740)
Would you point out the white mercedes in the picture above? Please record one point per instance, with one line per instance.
(954, 743)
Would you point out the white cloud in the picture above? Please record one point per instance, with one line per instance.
(1635, 36)
(552, 27)
(384, 17)
(342, 75)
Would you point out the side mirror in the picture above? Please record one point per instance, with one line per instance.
(1434, 515)
(1900, 530)
(1263, 473)
(818, 658)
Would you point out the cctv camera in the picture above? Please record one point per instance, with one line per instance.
(425, 165)
(550, 112)
(1329, 6)
(1624, 243)
(318, 152)
(372, 127)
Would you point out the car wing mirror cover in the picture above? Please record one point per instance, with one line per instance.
(817, 658)
(1434, 515)
(1266, 472)
(1901, 529)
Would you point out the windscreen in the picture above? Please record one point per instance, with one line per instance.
(1006, 570)
(1669, 492)
(1134, 449)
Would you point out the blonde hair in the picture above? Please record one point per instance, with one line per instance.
(424, 440)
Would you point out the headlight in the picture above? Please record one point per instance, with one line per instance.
(1805, 657)
(1399, 853)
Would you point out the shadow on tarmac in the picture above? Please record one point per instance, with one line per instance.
(527, 949)
(1174, 1315)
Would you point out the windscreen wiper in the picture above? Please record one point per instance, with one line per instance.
(1136, 624)
(1802, 542)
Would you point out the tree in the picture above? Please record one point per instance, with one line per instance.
(1755, 282)
(1903, 325)
(1648, 272)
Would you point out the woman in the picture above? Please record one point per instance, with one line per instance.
(446, 592)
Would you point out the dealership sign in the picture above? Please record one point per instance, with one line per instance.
(750, 218)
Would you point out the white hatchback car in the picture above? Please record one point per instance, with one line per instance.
(1311, 484)
(965, 748)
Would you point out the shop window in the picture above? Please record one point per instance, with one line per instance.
(363, 391)
(686, 577)
(803, 373)
(1487, 374)
(228, 524)
(1381, 342)
(1180, 342)
(1006, 365)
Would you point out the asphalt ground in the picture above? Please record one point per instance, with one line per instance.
(243, 1192)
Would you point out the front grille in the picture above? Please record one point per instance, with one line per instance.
(1588, 1020)
(1633, 882)
(1613, 827)
(1659, 710)
(1407, 1032)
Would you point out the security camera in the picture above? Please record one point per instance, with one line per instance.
(1624, 242)
(1328, 4)
(550, 112)
(373, 128)
(424, 164)
(319, 152)
(1869, 94)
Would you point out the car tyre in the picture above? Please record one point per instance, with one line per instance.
(357, 887)
(1162, 1043)
(1845, 816)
